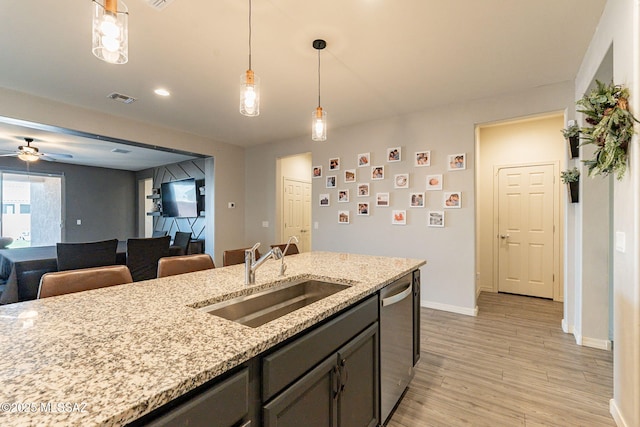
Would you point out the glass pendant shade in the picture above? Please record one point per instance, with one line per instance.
(319, 125)
(110, 31)
(249, 94)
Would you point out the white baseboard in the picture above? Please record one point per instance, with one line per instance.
(566, 328)
(596, 343)
(451, 308)
(615, 413)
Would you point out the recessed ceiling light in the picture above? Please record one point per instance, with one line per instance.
(162, 92)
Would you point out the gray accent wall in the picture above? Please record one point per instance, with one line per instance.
(103, 199)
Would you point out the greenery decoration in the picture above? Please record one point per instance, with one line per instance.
(571, 131)
(610, 128)
(570, 175)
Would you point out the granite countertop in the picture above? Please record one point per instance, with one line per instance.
(109, 356)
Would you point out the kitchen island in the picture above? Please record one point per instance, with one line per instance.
(109, 356)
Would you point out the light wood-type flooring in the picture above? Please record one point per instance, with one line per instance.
(510, 366)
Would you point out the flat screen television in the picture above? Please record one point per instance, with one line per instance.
(179, 198)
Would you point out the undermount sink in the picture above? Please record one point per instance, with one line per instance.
(257, 309)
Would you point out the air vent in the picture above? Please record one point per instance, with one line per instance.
(125, 99)
(120, 151)
(159, 4)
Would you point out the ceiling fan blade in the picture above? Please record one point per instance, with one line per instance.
(57, 156)
(8, 155)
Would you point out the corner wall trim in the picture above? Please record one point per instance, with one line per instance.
(615, 413)
(451, 308)
(566, 328)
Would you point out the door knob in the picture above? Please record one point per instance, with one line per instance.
(504, 236)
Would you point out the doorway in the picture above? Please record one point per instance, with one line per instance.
(513, 147)
(31, 209)
(293, 200)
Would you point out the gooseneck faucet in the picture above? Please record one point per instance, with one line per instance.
(283, 266)
(251, 264)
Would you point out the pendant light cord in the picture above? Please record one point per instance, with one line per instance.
(249, 34)
(319, 78)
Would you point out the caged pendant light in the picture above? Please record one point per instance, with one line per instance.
(110, 31)
(249, 86)
(319, 116)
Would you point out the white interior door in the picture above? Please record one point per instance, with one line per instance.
(526, 230)
(297, 212)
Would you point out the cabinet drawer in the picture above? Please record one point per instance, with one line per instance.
(284, 366)
(223, 405)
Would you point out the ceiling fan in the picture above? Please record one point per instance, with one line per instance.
(30, 153)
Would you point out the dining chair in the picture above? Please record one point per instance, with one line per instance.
(159, 233)
(70, 281)
(170, 266)
(73, 256)
(143, 255)
(180, 243)
(235, 256)
(293, 248)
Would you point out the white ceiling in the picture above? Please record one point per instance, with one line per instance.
(383, 58)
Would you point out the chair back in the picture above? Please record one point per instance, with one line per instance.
(180, 243)
(73, 256)
(143, 256)
(293, 248)
(173, 265)
(67, 282)
(235, 256)
(159, 233)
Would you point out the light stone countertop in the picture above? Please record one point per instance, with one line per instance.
(109, 356)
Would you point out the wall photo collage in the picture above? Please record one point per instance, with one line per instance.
(359, 177)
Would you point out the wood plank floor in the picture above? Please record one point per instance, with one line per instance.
(510, 366)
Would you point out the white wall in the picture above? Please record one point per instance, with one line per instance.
(449, 276)
(527, 141)
(229, 159)
(620, 26)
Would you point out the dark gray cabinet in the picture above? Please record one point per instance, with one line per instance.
(342, 391)
(416, 316)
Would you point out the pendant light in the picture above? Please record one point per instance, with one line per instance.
(249, 86)
(111, 31)
(319, 116)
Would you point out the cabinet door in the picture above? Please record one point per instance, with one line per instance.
(358, 368)
(309, 402)
(416, 317)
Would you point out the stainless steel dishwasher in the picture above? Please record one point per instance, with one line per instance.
(396, 342)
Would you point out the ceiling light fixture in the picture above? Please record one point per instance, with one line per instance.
(162, 92)
(249, 86)
(110, 31)
(319, 124)
(27, 152)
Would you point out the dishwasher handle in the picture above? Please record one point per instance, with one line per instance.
(385, 302)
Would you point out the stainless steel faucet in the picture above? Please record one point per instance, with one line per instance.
(283, 266)
(251, 264)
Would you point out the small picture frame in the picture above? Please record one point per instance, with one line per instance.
(331, 181)
(435, 219)
(382, 200)
(364, 160)
(316, 172)
(394, 154)
(349, 176)
(363, 189)
(457, 162)
(343, 196)
(434, 182)
(377, 173)
(401, 180)
(422, 158)
(334, 164)
(452, 200)
(399, 217)
(343, 217)
(416, 200)
(363, 208)
(325, 199)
